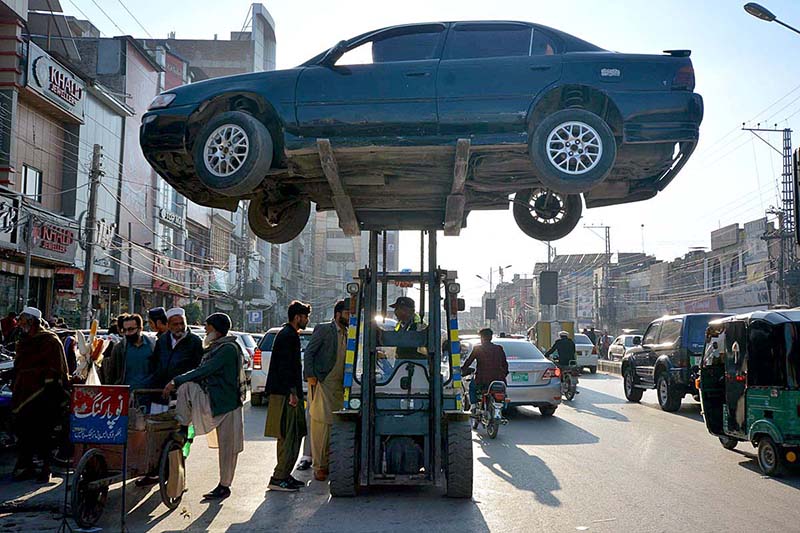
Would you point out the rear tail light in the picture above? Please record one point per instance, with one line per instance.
(257, 359)
(684, 79)
(551, 373)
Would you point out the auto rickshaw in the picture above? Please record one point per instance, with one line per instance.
(750, 385)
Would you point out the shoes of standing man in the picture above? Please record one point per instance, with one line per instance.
(219, 493)
(296, 482)
(305, 464)
(282, 485)
(321, 474)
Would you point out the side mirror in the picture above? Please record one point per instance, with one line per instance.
(637, 341)
(461, 304)
(333, 55)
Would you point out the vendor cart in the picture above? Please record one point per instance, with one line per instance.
(151, 443)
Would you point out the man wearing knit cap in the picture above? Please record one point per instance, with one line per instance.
(211, 396)
(157, 319)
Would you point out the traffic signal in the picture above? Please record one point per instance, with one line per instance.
(548, 287)
(490, 309)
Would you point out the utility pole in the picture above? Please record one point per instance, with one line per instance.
(28, 251)
(130, 270)
(91, 221)
(605, 302)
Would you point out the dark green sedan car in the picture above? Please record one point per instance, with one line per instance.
(414, 126)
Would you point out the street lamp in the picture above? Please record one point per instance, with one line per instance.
(762, 13)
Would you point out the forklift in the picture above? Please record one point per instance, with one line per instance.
(403, 420)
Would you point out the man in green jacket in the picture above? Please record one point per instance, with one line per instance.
(210, 397)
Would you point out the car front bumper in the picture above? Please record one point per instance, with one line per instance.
(164, 130)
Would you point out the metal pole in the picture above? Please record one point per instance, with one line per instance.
(421, 274)
(130, 270)
(245, 276)
(28, 251)
(91, 221)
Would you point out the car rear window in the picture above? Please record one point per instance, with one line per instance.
(248, 341)
(697, 327)
(269, 340)
(582, 339)
(472, 41)
(521, 351)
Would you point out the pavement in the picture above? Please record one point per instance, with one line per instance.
(599, 465)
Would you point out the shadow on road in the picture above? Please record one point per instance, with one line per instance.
(689, 409)
(791, 478)
(529, 427)
(525, 472)
(589, 401)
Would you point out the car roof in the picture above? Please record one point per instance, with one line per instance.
(772, 316)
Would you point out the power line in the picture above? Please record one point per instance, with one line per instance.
(134, 18)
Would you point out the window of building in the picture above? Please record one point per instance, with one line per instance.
(220, 246)
(32, 183)
(472, 41)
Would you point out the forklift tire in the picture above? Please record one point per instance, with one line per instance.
(343, 459)
(770, 457)
(459, 460)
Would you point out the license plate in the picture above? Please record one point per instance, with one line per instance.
(517, 377)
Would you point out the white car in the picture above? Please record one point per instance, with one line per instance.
(258, 377)
(585, 352)
(621, 345)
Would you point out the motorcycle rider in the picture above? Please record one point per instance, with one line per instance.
(565, 348)
(492, 365)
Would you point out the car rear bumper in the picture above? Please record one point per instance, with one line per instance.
(536, 395)
(586, 360)
(661, 116)
(164, 130)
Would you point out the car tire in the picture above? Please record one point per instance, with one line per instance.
(770, 458)
(632, 394)
(256, 399)
(593, 370)
(557, 164)
(546, 215)
(729, 443)
(232, 153)
(547, 411)
(668, 399)
(288, 224)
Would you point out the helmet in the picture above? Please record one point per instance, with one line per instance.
(563, 334)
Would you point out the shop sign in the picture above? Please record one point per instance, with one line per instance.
(746, 296)
(53, 81)
(9, 220)
(51, 241)
(170, 216)
(99, 414)
(168, 275)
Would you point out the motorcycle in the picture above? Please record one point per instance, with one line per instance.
(489, 410)
(569, 381)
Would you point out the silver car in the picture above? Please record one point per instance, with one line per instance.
(621, 345)
(532, 378)
(258, 377)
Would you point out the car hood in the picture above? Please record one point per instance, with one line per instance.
(255, 82)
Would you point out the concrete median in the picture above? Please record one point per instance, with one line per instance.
(610, 367)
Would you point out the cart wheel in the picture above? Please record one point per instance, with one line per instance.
(88, 505)
(163, 475)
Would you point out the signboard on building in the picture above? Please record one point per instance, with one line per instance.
(9, 222)
(748, 296)
(168, 275)
(55, 82)
(99, 414)
(170, 217)
(727, 236)
(53, 240)
(756, 249)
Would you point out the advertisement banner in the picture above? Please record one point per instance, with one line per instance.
(99, 414)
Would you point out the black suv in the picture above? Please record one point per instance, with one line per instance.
(668, 359)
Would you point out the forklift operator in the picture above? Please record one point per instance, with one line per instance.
(407, 320)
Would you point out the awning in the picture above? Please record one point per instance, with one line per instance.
(19, 270)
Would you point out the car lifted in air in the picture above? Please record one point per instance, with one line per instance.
(415, 126)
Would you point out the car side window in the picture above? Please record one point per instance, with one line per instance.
(474, 41)
(542, 44)
(406, 44)
(670, 331)
(651, 334)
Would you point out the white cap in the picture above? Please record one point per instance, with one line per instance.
(32, 311)
(563, 334)
(175, 311)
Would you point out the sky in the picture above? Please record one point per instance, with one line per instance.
(744, 69)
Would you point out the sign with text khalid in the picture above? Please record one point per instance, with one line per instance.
(99, 414)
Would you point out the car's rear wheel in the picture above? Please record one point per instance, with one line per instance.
(278, 223)
(547, 410)
(572, 150)
(632, 393)
(668, 398)
(593, 369)
(232, 153)
(770, 458)
(546, 215)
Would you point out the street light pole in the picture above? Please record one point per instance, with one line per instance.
(762, 13)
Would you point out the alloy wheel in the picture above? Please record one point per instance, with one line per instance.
(574, 147)
(226, 150)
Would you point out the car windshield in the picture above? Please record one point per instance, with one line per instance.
(582, 339)
(248, 341)
(520, 350)
(269, 339)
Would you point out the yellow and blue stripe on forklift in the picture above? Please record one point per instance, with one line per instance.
(455, 361)
(349, 358)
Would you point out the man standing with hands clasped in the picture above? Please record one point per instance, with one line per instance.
(286, 419)
(324, 370)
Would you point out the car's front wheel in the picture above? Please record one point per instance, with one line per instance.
(232, 153)
(546, 215)
(278, 222)
(572, 150)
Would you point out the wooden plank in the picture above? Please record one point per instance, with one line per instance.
(341, 201)
(454, 215)
(461, 166)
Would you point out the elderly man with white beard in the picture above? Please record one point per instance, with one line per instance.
(177, 351)
(210, 397)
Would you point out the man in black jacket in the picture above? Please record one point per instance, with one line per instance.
(177, 351)
(285, 414)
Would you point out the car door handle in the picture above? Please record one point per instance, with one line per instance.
(540, 67)
(417, 74)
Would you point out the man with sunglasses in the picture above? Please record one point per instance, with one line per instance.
(131, 361)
